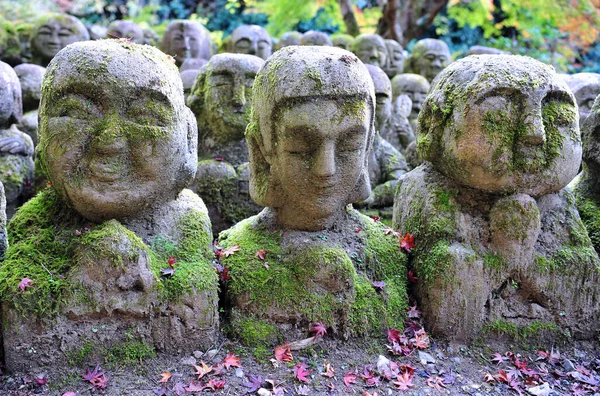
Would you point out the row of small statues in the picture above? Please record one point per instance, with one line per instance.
(118, 243)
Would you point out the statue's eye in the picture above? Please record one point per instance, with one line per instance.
(556, 112)
(76, 106)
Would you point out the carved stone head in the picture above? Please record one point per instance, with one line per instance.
(428, 58)
(315, 38)
(371, 49)
(221, 97)
(126, 30)
(53, 32)
(151, 37)
(395, 63)
(590, 135)
(289, 38)
(585, 87)
(11, 108)
(251, 40)
(311, 128)
(383, 96)
(115, 136)
(343, 41)
(415, 87)
(501, 124)
(185, 39)
(30, 77)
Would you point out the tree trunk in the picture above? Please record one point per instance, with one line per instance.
(408, 19)
(349, 18)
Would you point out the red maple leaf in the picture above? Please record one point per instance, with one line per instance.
(489, 377)
(520, 364)
(404, 381)
(319, 330)
(214, 384)
(375, 218)
(202, 370)
(25, 283)
(357, 229)
(498, 358)
(261, 254)
(283, 353)
(407, 242)
(171, 261)
(231, 361)
(411, 277)
(393, 335)
(413, 312)
(165, 377)
(350, 378)
(95, 377)
(436, 383)
(421, 340)
(370, 378)
(194, 387)
(230, 250)
(301, 373)
(503, 376)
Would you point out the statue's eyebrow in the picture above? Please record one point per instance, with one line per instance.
(154, 94)
(220, 72)
(498, 91)
(83, 88)
(558, 95)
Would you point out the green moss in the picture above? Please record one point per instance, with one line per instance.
(493, 261)
(367, 312)
(78, 356)
(590, 215)
(437, 261)
(131, 351)
(533, 330)
(255, 333)
(568, 257)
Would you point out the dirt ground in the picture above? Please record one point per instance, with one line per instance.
(569, 368)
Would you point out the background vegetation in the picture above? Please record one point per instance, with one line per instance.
(565, 33)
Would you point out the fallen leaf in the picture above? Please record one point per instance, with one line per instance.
(171, 261)
(254, 383)
(202, 370)
(407, 242)
(404, 381)
(413, 312)
(178, 388)
(95, 377)
(498, 358)
(230, 250)
(370, 378)
(165, 377)
(25, 283)
(357, 229)
(231, 361)
(301, 373)
(215, 384)
(303, 390)
(350, 378)
(329, 371)
(436, 383)
(411, 277)
(378, 286)
(167, 271)
(283, 353)
(194, 387)
(261, 254)
(488, 377)
(319, 329)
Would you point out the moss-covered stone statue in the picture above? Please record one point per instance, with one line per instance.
(116, 250)
(128, 30)
(396, 57)
(10, 45)
(251, 40)
(313, 37)
(151, 37)
(289, 38)
(386, 163)
(500, 244)
(343, 41)
(586, 186)
(428, 58)
(371, 49)
(30, 77)
(53, 32)
(221, 99)
(24, 32)
(185, 39)
(585, 87)
(311, 128)
(16, 147)
(416, 88)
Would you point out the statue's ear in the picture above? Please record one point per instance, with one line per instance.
(17, 105)
(196, 99)
(190, 163)
(265, 189)
(362, 188)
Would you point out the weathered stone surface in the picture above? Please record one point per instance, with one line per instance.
(396, 57)
(97, 32)
(483, 50)
(53, 32)
(585, 87)
(499, 241)
(127, 30)
(428, 58)
(371, 49)
(30, 77)
(10, 45)
(315, 38)
(309, 136)
(185, 39)
(192, 64)
(289, 38)
(416, 88)
(251, 40)
(119, 146)
(343, 41)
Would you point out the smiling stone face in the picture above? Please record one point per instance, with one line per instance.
(186, 39)
(371, 49)
(428, 58)
(395, 63)
(501, 124)
(251, 40)
(115, 135)
(53, 32)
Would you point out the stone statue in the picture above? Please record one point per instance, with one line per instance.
(428, 58)
(53, 32)
(386, 163)
(343, 41)
(123, 252)
(221, 99)
(309, 136)
(395, 61)
(16, 148)
(371, 49)
(97, 32)
(482, 50)
(188, 78)
(10, 45)
(185, 39)
(193, 64)
(585, 87)
(499, 240)
(289, 38)
(251, 40)
(416, 88)
(152, 38)
(30, 77)
(586, 186)
(315, 38)
(126, 30)
(24, 32)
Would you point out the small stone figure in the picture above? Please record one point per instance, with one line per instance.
(586, 187)
(97, 32)
(10, 45)
(221, 99)
(122, 252)
(53, 32)
(186, 39)
(311, 128)
(30, 77)
(343, 41)
(499, 239)
(371, 49)
(482, 50)
(396, 57)
(289, 38)
(193, 64)
(315, 38)
(585, 87)
(24, 32)
(251, 40)
(416, 88)
(16, 148)
(188, 78)
(428, 58)
(126, 30)
(151, 37)
(386, 163)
